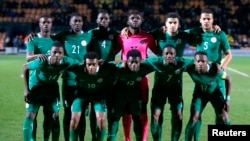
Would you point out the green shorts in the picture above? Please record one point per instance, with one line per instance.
(44, 95)
(200, 101)
(80, 105)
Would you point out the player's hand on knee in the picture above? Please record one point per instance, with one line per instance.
(55, 116)
(27, 96)
(227, 106)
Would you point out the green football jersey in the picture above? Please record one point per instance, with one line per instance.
(75, 46)
(45, 73)
(93, 83)
(128, 79)
(103, 43)
(40, 45)
(179, 41)
(206, 82)
(213, 43)
(165, 74)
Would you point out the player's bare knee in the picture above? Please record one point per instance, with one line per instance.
(31, 115)
(156, 116)
(178, 115)
(73, 124)
(74, 121)
(195, 118)
(102, 124)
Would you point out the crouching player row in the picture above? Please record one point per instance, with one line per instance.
(41, 89)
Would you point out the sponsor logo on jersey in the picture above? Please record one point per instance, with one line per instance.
(213, 39)
(111, 36)
(143, 41)
(83, 43)
(178, 41)
(210, 83)
(138, 79)
(99, 80)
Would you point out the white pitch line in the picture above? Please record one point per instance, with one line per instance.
(236, 71)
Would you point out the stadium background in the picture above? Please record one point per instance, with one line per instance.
(18, 18)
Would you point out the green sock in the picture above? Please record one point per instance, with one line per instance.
(93, 126)
(227, 123)
(101, 134)
(56, 129)
(189, 131)
(47, 122)
(73, 135)
(176, 129)
(112, 131)
(155, 130)
(27, 129)
(197, 130)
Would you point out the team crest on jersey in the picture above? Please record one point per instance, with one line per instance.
(83, 43)
(143, 41)
(178, 41)
(210, 83)
(138, 79)
(111, 36)
(99, 80)
(213, 39)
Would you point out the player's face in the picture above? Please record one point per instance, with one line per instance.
(206, 21)
(172, 25)
(134, 21)
(76, 24)
(169, 55)
(56, 54)
(133, 63)
(45, 24)
(201, 62)
(91, 65)
(103, 20)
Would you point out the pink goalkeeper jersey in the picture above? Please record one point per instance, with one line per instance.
(141, 41)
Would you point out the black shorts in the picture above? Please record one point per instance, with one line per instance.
(162, 94)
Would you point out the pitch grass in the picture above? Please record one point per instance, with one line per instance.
(12, 106)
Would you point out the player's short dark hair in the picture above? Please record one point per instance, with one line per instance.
(133, 53)
(45, 16)
(206, 10)
(134, 12)
(200, 53)
(102, 11)
(169, 45)
(57, 44)
(91, 55)
(75, 14)
(173, 15)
